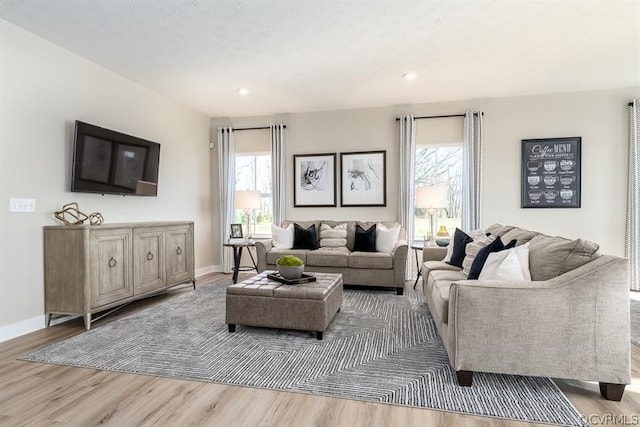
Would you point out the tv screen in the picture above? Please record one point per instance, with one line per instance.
(110, 162)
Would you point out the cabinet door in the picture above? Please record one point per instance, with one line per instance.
(179, 254)
(111, 268)
(148, 259)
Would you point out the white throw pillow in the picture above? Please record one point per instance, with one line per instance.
(333, 237)
(282, 237)
(386, 238)
(509, 265)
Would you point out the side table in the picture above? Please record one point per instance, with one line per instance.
(417, 245)
(237, 256)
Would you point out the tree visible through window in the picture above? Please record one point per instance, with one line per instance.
(253, 172)
(439, 165)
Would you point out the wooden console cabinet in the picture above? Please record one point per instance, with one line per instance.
(92, 268)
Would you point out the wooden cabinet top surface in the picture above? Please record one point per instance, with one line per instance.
(107, 226)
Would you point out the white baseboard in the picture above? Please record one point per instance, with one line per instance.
(208, 269)
(23, 327)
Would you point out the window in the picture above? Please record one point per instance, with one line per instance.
(253, 172)
(439, 165)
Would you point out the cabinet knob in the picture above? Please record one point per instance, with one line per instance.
(179, 250)
(149, 256)
(113, 262)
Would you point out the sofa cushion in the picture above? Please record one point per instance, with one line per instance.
(521, 236)
(328, 257)
(498, 229)
(510, 265)
(333, 236)
(442, 280)
(552, 256)
(460, 240)
(365, 239)
(372, 260)
(386, 238)
(274, 254)
(282, 237)
(305, 238)
(481, 256)
(472, 249)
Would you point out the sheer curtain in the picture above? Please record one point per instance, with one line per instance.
(632, 239)
(227, 166)
(406, 196)
(278, 192)
(471, 170)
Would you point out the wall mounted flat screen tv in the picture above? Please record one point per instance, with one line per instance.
(110, 162)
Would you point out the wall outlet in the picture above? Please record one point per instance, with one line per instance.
(22, 205)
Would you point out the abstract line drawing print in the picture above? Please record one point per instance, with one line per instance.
(363, 176)
(313, 175)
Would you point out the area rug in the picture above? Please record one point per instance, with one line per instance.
(380, 347)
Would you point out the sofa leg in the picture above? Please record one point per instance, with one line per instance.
(232, 327)
(465, 378)
(612, 391)
(400, 291)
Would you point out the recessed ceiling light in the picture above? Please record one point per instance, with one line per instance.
(409, 75)
(243, 91)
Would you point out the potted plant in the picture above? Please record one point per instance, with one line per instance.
(290, 267)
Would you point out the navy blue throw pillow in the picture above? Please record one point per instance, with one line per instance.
(460, 240)
(365, 240)
(304, 238)
(483, 254)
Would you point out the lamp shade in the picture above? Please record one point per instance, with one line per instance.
(247, 199)
(434, 196)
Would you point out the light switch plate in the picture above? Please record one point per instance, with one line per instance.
(22, 205)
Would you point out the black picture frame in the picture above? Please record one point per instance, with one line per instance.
(551, 172)
(314, 182)
(363, 178)
(236, 231)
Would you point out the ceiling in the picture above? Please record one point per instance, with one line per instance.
(311, 55)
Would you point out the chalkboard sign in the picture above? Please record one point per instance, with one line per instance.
(551, 173)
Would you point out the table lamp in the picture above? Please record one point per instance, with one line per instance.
(247, 200)
(432, 198)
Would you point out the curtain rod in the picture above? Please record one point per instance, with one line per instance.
(255, 128)
(441, 117)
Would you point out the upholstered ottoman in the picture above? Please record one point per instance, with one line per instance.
(259, 301)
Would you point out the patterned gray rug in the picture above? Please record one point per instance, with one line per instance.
(380, 347)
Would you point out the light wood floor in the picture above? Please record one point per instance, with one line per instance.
(35, 394)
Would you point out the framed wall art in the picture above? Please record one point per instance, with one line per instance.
(314, 183)
(363, 178)
(551, 172)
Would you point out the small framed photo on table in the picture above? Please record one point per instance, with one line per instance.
(236, 231)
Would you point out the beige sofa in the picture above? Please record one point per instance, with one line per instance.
(377, 269)
(571, 321)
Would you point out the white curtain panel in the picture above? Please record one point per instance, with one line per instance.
(632, 239)
(471, 170)
(278, 189)
(226, 167)
(406, 197)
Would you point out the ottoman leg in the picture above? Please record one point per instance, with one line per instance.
(319, 335)
(232, 327)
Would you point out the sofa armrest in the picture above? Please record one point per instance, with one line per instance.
(572, 326)
(262, 247)
(399, 255)
(433, 253)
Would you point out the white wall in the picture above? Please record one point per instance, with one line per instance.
(44, 90)
(599, 117)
